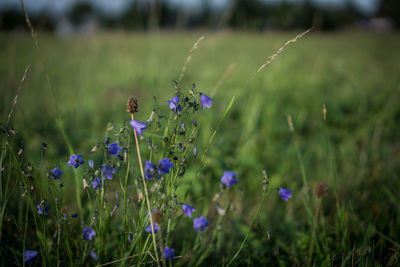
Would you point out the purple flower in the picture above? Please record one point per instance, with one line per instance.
(56, 173)
(29, 255)
(173, 104)
(43, 209)
(138, 126)
(75, 215)
(107, 172)
(156, 228)
(150, 170)
(165, 165)
(114, 148)
(96, 183)
(200, 224)
(94, 255)
(168, 253)
(75, 160)
(187, 209)
(285, 193)
(88, 233)
(229, 178)
(205, 101)
(91, 164)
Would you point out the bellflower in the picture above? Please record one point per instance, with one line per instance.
(187, 209)
(150, 170)
(91, 164)
(29, 255)
(94, 255)
(205, 101)
(114, 148)
(96, 183)
(285, 193)
(229, 178)
(43, 209)
(56, 173)
(75, 160)
(173, 104)
(168, 253)
(138, 126)
(88, 233)
(165, 165)
(200, 223)
(107, 172)
(156, 228)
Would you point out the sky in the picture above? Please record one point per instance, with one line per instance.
(367, 7)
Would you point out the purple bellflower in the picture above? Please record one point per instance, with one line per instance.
(156, 228)
(107, 172)
(56, 173)
(94, 255)
(75, 160)
(138, 126)
(200, 223)
(229, 178)
(168, 253)
(165, 165)
(150, 170)
(285, 193)
(29, 255)
(205, 101)
(187, 209)
(96, 183)
(114, 148)
(88, 233)
(173, 104)
(43, 209)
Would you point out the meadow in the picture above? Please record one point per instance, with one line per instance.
(321, 120)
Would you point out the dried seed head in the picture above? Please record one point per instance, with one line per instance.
(132, 105)
(321, 190)
(290, 123)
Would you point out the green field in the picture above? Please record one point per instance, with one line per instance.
(83, 82)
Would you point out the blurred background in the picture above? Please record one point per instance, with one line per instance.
(88, 16)
(92, 55)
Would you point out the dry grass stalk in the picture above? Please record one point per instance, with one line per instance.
(222, 79)
(143, 176)
(18, 93)
(324, 111)
(280, 50)
(28, 21)
(290, 123)
(195, 46)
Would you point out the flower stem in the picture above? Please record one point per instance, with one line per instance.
(146, 194)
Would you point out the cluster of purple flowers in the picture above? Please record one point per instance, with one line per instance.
(164, 166)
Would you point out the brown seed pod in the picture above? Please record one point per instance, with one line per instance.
(132, 105)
